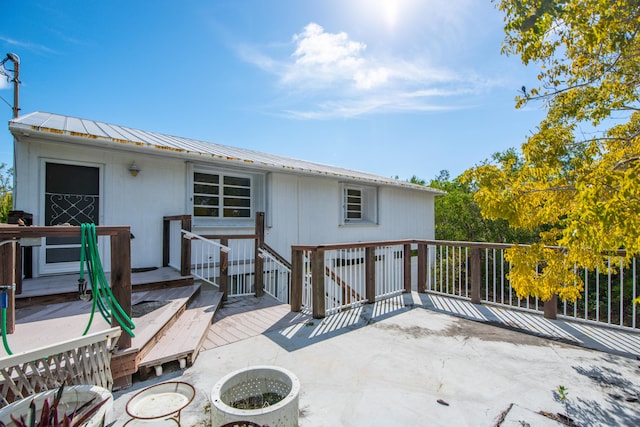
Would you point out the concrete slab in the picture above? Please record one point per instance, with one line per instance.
(403, 366)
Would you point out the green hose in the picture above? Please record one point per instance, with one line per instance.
(103, 298)
(4, 331)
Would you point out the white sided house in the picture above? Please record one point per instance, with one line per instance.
(72, 171)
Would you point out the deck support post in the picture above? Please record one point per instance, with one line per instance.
(422, 267)
(259, 262)
(121, 278)
(317, 283)
(370, 274)
(224, 270)
(475, 275)
(166, 241)
(185, 244)
(407, 267)
(7, 278)
(185, 248)
(297, 275)
(551, 308)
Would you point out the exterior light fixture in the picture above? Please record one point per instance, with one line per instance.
(134, 170)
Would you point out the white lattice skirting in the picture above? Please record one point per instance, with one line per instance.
(84, 360)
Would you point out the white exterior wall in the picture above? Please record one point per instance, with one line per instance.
(307, 211)
(300, 210)
(139, 202)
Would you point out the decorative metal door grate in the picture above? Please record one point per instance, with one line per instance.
(71, 209)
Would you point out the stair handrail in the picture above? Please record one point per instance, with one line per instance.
(189, 235)
(268, 255)
(202, 270)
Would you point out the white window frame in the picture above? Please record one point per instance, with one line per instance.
(368, 205)
(256, 198)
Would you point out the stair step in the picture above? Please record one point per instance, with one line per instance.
(161, 320)
(182, 341)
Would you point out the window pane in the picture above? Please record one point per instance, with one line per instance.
(236, 191)
(63, 254)
(353, 204)
(228, 201)
(206, 201)
(202, 211)
(205, 189)
(237, 213)
(205, 177)
(236, 180)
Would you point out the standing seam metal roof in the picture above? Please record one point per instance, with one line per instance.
(94, 132)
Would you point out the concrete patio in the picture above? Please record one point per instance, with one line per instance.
(405, 361)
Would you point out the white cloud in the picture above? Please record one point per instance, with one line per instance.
(333, 75)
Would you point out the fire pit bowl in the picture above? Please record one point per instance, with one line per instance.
(265, 395)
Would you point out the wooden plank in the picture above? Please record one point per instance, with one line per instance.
(370, 274)
(258, 270)
(422, 268)
(8, 232)
(406, 260)
(224, 271)
(475, 275)
(185, 247)
(296, 280)
(185, 337)
(317, 283)
(7, 278)
(121, 279)
(166, 241)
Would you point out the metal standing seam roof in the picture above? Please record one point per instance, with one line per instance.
(90, 132)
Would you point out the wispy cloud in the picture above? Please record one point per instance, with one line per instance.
(22, 45)
(332, 75)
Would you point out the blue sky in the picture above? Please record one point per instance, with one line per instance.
(392, 87)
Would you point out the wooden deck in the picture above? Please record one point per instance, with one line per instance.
(245, 317)
(170, 312)
(64, 287)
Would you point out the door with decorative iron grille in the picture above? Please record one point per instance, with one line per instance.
(71, 197)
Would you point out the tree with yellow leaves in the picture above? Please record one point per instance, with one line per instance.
(579, 174)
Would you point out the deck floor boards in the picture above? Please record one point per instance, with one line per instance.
(245, 317)
(53, 323)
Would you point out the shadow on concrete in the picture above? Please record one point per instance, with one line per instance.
(311, 331)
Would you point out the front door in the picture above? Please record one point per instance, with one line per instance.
(71, 197)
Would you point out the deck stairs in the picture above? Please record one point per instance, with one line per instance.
(172, 325)
(182, 337)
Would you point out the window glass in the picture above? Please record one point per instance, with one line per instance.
(234, 203)
(353, 204)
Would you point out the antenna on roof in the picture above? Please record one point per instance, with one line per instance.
(16, 78)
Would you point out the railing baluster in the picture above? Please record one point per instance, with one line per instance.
(609, 290)
(621, 292)
(635, 295)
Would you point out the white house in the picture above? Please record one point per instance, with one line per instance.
(71, 170)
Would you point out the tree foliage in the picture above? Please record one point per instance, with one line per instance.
(579, 174)
(458, 217)
(6, 199)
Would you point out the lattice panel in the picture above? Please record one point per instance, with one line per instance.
(88, 364)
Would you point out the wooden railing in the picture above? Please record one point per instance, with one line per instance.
(239, 269)
(120, 241)
(322, 283)
(334, 277)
